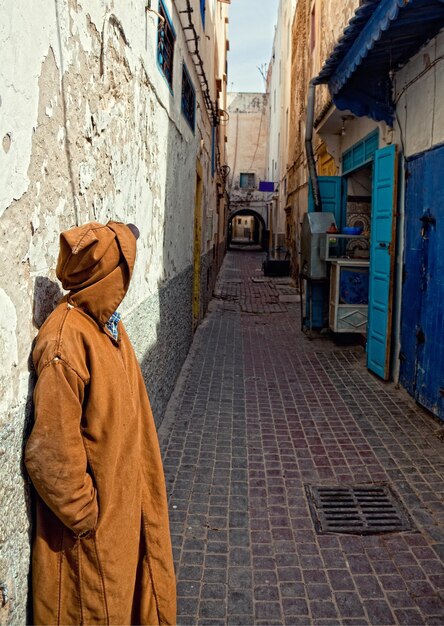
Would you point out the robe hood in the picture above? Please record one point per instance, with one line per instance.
(95, 265)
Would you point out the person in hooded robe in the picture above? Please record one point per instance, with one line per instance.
(101, 549)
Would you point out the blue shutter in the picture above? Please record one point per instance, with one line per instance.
(382, 254)
(330, 188)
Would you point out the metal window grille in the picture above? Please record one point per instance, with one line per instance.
(165, 45)
(247, 181)
(188, 98)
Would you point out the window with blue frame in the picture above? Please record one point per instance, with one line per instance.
(247, 180)
(166, 38)
(202, 11)
(188, 98)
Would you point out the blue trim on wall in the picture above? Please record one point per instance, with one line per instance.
(202, 11)
(360, 153)
(168, 16)
(182, 108)
(170, 23)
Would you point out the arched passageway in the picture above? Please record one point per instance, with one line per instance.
(247, 227)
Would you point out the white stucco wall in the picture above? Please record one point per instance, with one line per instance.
(419, 104)
(279, 90)
(89, 130)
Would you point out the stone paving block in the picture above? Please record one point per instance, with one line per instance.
(213, 575)
(240, 620)
(368, 587)
(295, 606)
(188, 589)
(268, 610)
(319, 592)
(212, 609)
(349, 604)
(379, 613)
(240, 602)
(187, 606)
(322, 610)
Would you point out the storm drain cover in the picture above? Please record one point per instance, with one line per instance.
(359, 510)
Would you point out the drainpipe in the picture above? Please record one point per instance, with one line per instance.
(313, 175)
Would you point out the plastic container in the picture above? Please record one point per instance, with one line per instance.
(352, 230)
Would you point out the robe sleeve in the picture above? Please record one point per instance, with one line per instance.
(55, 454)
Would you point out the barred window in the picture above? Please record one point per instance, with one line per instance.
(188, 98)
(247, 181)
(166, 38)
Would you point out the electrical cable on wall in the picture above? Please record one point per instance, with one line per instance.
(420, 75)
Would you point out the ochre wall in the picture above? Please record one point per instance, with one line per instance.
(331, 17)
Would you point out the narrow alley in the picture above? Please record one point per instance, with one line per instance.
(259, 413)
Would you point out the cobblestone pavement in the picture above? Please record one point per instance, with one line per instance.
(260, 411)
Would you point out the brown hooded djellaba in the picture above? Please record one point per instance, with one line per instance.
(102, 550)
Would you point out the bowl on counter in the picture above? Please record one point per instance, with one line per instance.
(352, 230)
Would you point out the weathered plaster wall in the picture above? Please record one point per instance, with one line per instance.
(247, 148)
(419, 102)
(89, 130)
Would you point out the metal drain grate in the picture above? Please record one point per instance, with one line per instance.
(359, 510)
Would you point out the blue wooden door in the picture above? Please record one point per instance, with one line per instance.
(330, 189)
(382, 254)
(422, 320)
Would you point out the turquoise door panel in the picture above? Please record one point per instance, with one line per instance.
(382, 261)
(330, 188)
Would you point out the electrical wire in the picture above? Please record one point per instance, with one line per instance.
(420, 75)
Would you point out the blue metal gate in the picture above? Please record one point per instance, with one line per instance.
(422, 322)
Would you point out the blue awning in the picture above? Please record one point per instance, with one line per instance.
(381, 37)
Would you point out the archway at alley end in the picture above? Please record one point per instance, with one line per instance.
(247, 228)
